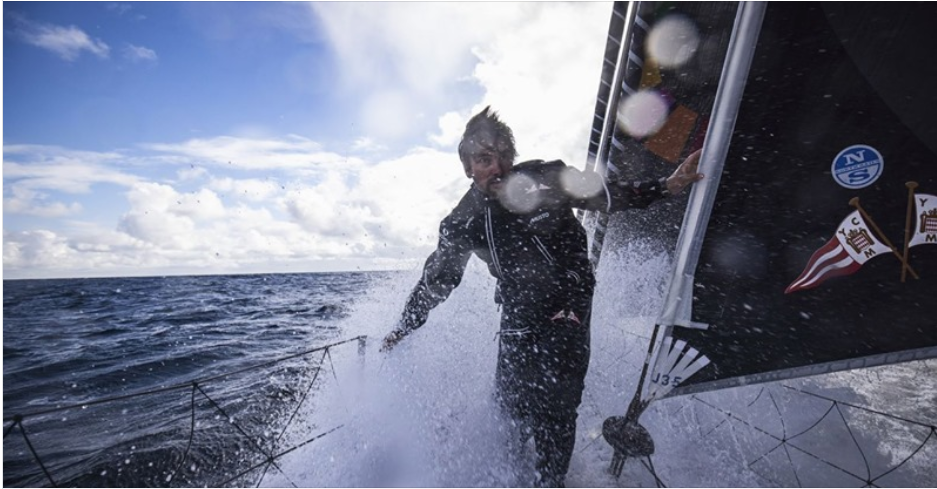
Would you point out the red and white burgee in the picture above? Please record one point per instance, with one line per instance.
(852, 245)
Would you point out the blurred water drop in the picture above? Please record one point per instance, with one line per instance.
(673, 41)
(642, 114)
(520, 194)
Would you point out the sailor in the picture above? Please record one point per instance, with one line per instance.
(519, 220)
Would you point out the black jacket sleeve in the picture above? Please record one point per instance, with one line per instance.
(589, 191)
(636, 195)
(442, 273)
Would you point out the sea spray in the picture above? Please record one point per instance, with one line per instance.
(424, 415)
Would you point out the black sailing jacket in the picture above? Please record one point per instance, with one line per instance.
(532, 242)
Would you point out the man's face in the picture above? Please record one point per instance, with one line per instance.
(486, 167)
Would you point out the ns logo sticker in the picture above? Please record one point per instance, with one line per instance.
(857, 166)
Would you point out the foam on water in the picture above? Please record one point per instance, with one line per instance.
(423, 416)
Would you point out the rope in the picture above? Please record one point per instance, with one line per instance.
(183, 385)
(245, 472)
(784, 441)
(269, 459)
(649, 465)
(18, 421)
(191, 436)
(293, 415)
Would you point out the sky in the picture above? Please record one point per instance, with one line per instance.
(167, 138)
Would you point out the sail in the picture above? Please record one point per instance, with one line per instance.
(834, 122)
(666, 76)
(668, 67)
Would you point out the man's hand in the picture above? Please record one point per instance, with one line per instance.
(685, 174)
(392, 339)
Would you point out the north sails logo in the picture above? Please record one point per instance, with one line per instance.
(537, 187)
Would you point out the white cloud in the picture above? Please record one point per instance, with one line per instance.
(37, 248)
(408, 56)
(247, 189)
(395, 203)
(139, 53)
(542, 77)
(63, 169)
(292, 153)
(192, 173)
(27, 201)
(385, 114)
(367, 144)
(409, 45)
(255, 201)
(66, 42)
(451, 125)
(538, 64)
(384, 214)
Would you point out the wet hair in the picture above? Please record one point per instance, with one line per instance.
(487, 121)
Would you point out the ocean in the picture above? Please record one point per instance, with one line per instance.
(221, 381)
(71, 342)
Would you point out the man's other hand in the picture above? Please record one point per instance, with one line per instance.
(685, 174)
(392, 339)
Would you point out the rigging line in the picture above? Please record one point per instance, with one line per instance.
(782, 442)
(868, 470)
(733, 416)
(827, 462)
(777, 410)
(899, 418)
(284, 474)
(760, 392)
(257, 466)
(790, 462)
(765, 455)
(10, 428)
(331, 364)
(18, 420)
(868, 479)
(237, 426)
(185, 385)
(714, 428)
(233, 422)
(295, 411)
(649, 465)
(814, 425)
(786, 443)
(191, 437)
(303, 399)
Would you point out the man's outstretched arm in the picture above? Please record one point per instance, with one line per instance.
(442, 273)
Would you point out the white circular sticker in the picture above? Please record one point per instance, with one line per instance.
(857, 166)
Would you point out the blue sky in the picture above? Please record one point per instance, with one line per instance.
(152, 138)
